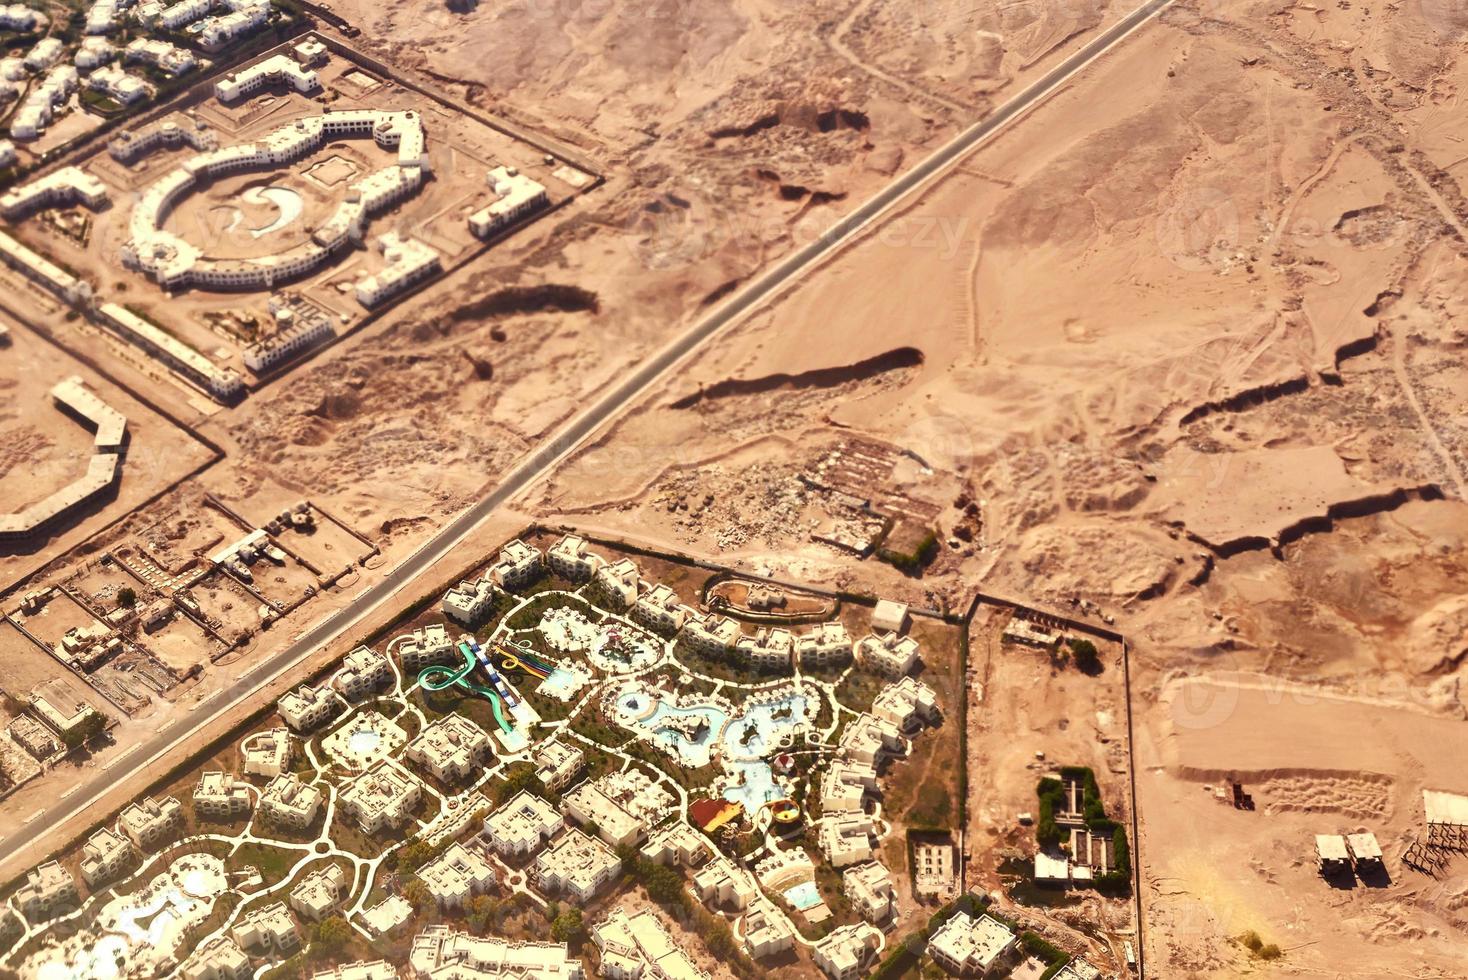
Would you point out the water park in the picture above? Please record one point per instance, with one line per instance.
(696, 730)
(137, 934)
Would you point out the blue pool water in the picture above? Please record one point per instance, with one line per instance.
(755, 788)
(804, 895)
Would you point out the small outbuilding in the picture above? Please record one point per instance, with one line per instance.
(1365, 851)
(889, 616)
(1331, 854)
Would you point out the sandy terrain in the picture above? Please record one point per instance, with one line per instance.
(1190, 338)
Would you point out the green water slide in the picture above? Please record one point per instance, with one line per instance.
(438, 677)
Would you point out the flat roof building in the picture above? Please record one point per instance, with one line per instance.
(58, 189)
(406, 262)
(451, 749)
(518, 565)
(442, 953)
(267, 928)
(557, 763)
(223, 384)
(276, 70)
(267, 753)
(149, 822)
(618, 582)
(319, 892)
(866, 739)
(869, 889)
(290, 803)
(360, 970)
(570, 559)
(104, 856)
(1331, 854)
(108, 424)
(767, 932)
(711, 635)
(847, 838)
(660, 609)
(381, 798)
(522, 825)
(722, 882)
(620, 805)
(308, 707)
(769, 648)
(678, 845)
(1364, 849)
(906, 703)
(515, 198)
(637, 946)
(932, 869)
(845, 952)
(823, 645)
(364, 671)
(426, 647)
(219, 796)
(968, 946)
(47, 889)
(469, 603)
(576, 866)
(889, 654)
(889, 616)
(456, 876)
(219, 958)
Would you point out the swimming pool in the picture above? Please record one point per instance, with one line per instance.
(753, 786)
(758, 732)
(804, 895)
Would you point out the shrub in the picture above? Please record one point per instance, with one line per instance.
(1087, 657)
(1051, 793)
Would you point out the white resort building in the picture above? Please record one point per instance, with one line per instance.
(969, 946)
(824, 645)
(426, 647)
(570, 559)
(442, 953)
(557, 763)
(381, 798)
(516, 197)
(456, 876)
(267, 753)
(518, 565)
(105, 854)
(308, 707)
(47, 888)
(522, 825)
(364, 672)
(769, 648)
(287, 802)
(576, 866)
(220, 796)
(889, 654)
(148, 822)
(451, 749)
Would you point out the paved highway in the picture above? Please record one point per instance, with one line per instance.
(540, 462)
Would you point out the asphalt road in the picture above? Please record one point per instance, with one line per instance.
(540, 462)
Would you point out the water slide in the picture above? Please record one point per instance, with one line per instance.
(437, 678)
(524, 659)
